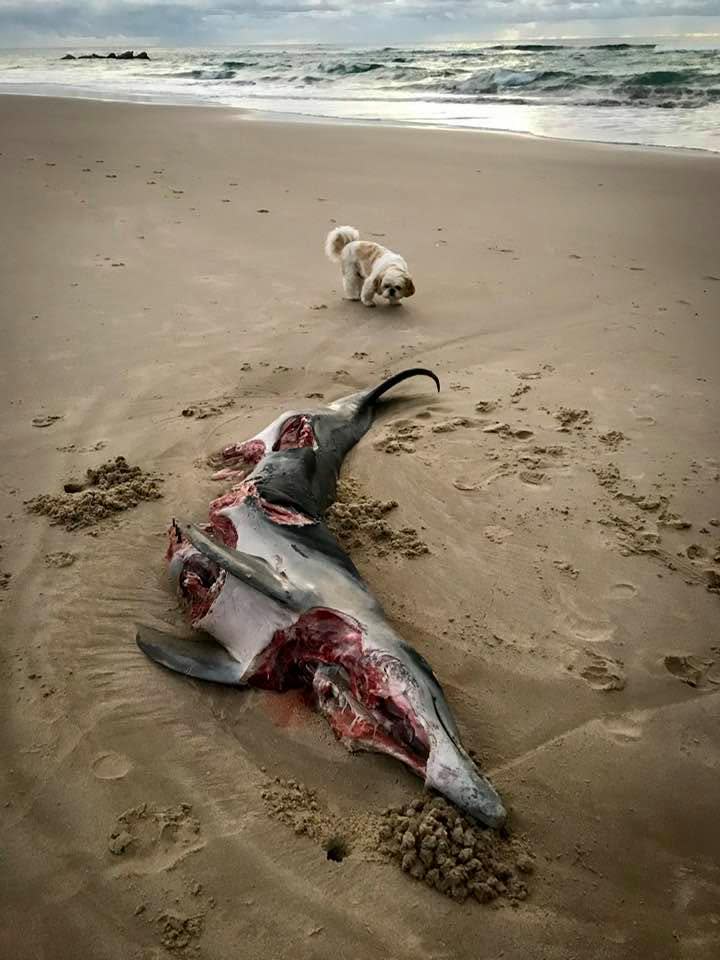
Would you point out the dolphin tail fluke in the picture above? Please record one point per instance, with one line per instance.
(193, 658)
(373, 395)
(359, 403)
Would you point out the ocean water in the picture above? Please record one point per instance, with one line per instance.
(663, 93)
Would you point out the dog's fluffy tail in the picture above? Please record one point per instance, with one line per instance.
(337, 239)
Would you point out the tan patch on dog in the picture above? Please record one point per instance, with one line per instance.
(366, 253)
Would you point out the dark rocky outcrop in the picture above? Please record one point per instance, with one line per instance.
(127, 55)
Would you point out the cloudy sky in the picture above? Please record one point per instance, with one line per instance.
(387, 22)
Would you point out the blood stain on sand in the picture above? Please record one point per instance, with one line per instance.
(292, 708)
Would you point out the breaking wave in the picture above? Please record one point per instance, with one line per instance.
(456, 84)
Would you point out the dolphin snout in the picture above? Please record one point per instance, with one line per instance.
(453, 774)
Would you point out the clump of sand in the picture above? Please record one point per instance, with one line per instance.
(613, 438)
(433, 842)
(359, 521)
(177, 933)
(109, 489)
(300, 809)
(60, 559)
(203, 409)
(428, 839)
(400, 437)
(297, 807)
(570, 419)
(5, 579)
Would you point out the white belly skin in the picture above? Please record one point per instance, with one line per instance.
(244, 621)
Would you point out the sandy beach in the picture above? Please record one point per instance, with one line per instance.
(555, 551)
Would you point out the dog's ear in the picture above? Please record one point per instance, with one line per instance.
(409, 287)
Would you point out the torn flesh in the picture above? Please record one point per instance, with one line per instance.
(303, 619)
(288, 432)
(355, 687)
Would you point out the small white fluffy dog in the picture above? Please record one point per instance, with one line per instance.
(368, 268)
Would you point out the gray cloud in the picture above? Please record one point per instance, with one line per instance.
(204, 21)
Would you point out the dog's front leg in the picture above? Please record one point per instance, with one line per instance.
(368, 292)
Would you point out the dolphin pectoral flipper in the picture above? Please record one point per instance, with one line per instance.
(193, 658)
(254, 571)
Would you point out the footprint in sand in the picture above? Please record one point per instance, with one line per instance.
(47, 420)
(695, 671)
(626, 728)
(467, 486)
(534, 478)
(603, 673)
(149, 839)
(623, 591)
(111, 766)
(449, 426)
(581, 625)
(497, 534)
(505, 430)
(60, 559)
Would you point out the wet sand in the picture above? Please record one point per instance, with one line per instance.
(554, 551)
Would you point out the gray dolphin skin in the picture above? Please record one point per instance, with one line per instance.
(286, 606)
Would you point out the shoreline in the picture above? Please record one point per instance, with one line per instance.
(251, 114)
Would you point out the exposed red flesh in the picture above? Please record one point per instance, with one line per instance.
(350, 725)
(368, 710)
(318, 636)
(295, 432)
(237, 460)
(327, 637)
(249, 451)
(222, 526)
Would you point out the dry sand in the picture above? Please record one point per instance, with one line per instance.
(565, 483)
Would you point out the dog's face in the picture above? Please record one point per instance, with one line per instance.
(395, 284)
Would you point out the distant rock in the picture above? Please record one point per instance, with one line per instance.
(127, 55)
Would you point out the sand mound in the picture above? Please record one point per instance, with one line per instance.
(428, 839)
(432, 841)
(108, 489)
(359, 521)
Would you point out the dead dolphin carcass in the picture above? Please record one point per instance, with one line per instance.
(288, 608)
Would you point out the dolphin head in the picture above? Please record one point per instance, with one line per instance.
(387, 699)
